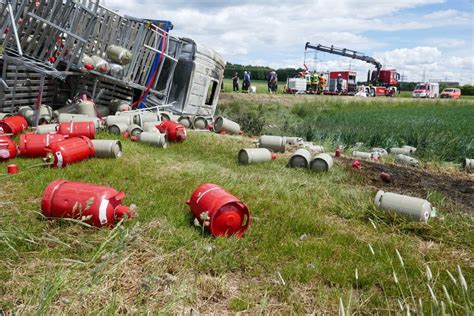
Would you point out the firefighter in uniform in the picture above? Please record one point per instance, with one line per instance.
(314, 82)
(322, 83)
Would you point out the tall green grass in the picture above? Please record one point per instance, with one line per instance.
(440, 130)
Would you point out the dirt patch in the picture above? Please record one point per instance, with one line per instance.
(419, 182)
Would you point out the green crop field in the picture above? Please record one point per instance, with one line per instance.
(316, 244)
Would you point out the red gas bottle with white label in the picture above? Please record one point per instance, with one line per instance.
(220, 211)
(96, 205)
(75, 129)
(13, 125)
(70, 151)
(35, 145)
(7, 149)
(175, 132)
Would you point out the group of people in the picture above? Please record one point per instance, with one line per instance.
(315, 83)
(272, 80)
(245, 82)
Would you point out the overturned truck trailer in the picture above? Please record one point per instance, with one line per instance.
(47, 43)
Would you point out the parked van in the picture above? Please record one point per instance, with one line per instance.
(426, 90)
(451, 93)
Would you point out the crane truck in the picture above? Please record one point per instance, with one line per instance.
(380, 81)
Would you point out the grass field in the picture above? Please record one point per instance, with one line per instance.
(316, 242)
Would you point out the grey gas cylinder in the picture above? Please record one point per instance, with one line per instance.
(403, 151)
(300, 159)
(315, 149)
(118, 128)
(200, 122)
(46, 128)
(123, 119)
(274, 143)
(152, 138)
(145, 116)
(322, 162)
(185, 121)
(411, 148)
(86, 107)
(68, 118)
(134, 129)
(107, 148)
(119, 54)
(150, 126)
(380, 151)
(363, 155)
(468, 165)
(248, 156)
(102, 110)
(410, 207)
(222, 124)
(406, 160)
(293, 140)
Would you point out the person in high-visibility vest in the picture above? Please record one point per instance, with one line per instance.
(322, 83)
(314, 82)
(308, 81)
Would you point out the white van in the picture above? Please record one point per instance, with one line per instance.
(426, 90)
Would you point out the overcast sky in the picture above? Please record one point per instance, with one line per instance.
(430, 37)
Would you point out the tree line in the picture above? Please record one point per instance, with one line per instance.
(261, 73)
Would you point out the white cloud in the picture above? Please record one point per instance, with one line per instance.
(273, 32)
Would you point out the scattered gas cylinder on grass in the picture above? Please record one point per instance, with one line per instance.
(413, 208)
(69, 151)
(75, 129)
(300, 159)
(7, 148)
(468, 164)
(356, 164)
(248, 156)
(12, 169)
(222, 124)
(221, 212)
(152, 138)
(174, 131)
(321, 162)
(96, 205)
(13, 125)
(274, 143)
(35, 145)
(200, 122)
(107, 148)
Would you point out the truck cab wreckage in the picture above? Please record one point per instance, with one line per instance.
(52, 51)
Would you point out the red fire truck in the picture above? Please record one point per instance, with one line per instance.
(380, 81)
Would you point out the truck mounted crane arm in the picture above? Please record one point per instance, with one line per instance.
(346, 53)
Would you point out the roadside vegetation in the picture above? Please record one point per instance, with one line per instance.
(316, 242)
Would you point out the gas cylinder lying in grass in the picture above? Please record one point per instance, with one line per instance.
(274, 143)
(175, 132)
(468, 164)
(46, 128)
(185, 121)
(407, 206)
(321, 162)
(13, 125)
(134, 130)
(200, 122)
(107, 148)
(364, 155)
(35, 145)
(300, 159)
(151, 126)
(221, 212)
(248, 156)
(118, 128)
(96, 205)
(75, 129)
(402, 151)
(153, 138)
(411, 148)
(77, 118)
(7, 148)
(69, 151)
(380, 151)
(406, 160)
(222, 124)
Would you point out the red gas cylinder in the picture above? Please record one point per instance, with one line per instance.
(70, 151)
(95, 205)
(220, 211)
(356, 164)
(12, 169)
(13, 125)
(338, 152)
(174, 131)
(7, 149)
(34, 145)
(75, 129)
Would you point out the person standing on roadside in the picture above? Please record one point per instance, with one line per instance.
(246, 82)
(235, 82)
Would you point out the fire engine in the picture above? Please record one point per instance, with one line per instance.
(380, 81)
